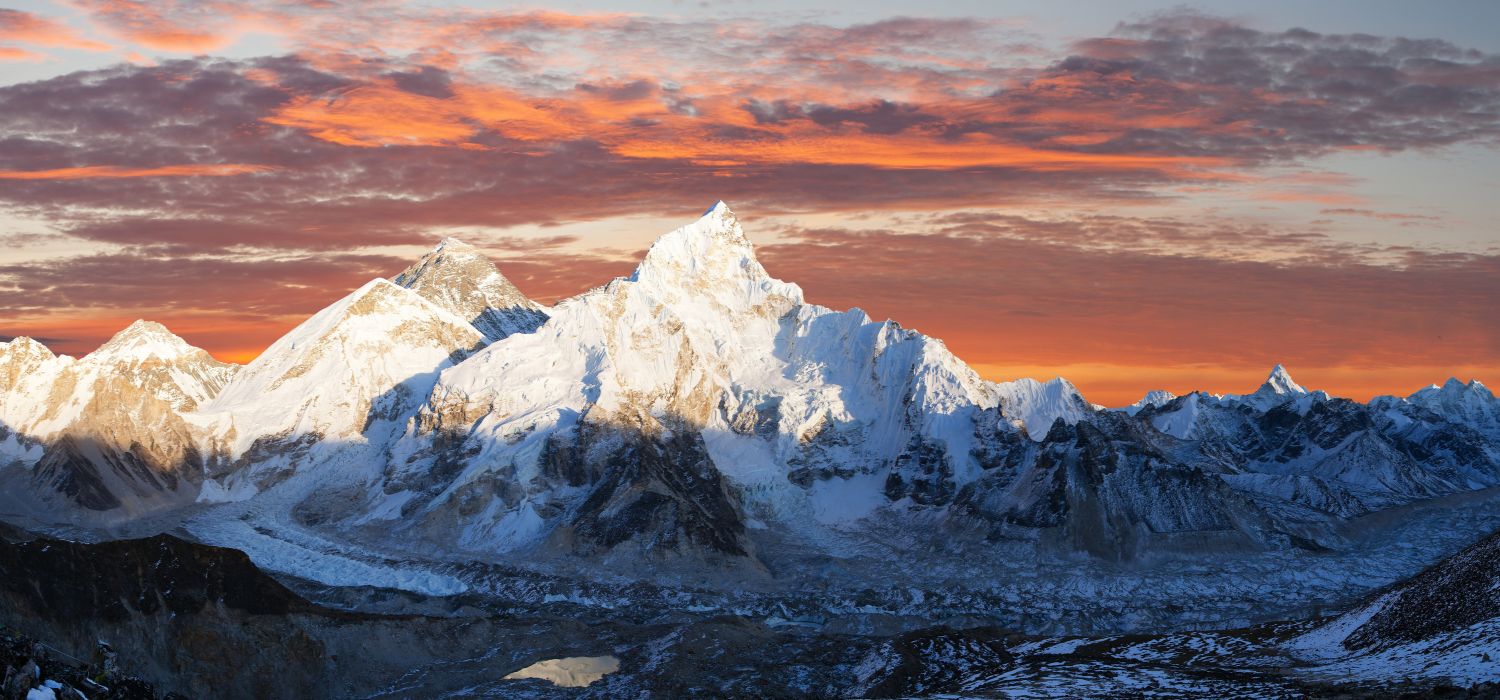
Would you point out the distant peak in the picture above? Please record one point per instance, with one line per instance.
(23, 345)
(142, 329)
(1455, 390)
(1280, 382)
(452, 263)
(718, 207)
(141, 340)
(1456, 386)
(463, 280)
(1153, 398)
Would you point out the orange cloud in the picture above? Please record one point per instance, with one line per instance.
(380, 114)
(177, 26)
(11, 53)
(112, 171)
(29, 28)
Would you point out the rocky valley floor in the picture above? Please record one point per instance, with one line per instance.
(206, 622)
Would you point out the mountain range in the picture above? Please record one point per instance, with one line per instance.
(701, 417)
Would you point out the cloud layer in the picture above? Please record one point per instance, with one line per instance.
(265, 187)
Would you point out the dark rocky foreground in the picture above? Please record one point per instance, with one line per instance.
(203, 621)
(29, 666)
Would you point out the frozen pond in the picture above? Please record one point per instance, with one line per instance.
(570, 672)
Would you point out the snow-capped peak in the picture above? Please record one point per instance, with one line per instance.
(21, 360)
(1280, 382)
(1278, 389)
(22, 346)
(452, 245)
(1156, 397)
(459, 278)
(1457, 387)
(712, 248)
(140, 341)
(1471, 402)
(1040, 404)
(330, 375)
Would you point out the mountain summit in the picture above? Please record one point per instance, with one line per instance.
(1277, 389)
(332, 375)
(710, 258)
(458, 277)
(1280, 382)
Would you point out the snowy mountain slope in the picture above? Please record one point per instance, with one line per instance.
(789, 410)
(1472, 404)
(357, 366)
(1116, 490)
(459, 278)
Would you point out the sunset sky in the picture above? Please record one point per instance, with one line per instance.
(1134, 195)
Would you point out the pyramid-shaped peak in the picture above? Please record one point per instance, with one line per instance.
(1280, 382)
(142, 327)
(451, 262)
(461, 279)
(719, 220)
(713, 247)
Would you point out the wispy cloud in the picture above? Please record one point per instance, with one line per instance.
(31, 28)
